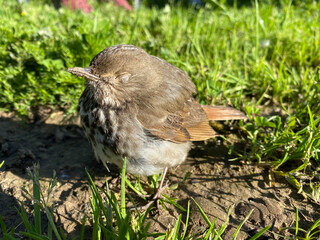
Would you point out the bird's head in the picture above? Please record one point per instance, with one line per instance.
(116, 74)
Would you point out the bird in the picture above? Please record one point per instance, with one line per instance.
(141, 107)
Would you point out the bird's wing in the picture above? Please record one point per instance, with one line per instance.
(164, 102)
(190, 123)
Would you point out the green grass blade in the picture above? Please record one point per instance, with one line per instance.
(10, 237)
(115, 207)
(123, 189)
(49, 232)
(83, 227)
(241, 224)
(62, 234)
(109, 234)
(160, 237)
(24, 218)
(313, 227)
(210, 229)
(217, 235)
(124, 228)
(51, 222)
(3, 227)
(172, 201)
(297, 222)
(109, 216)
(225, 224)
(258, 234)
(96, 230)
(187, 221)
(202, 212)
(34, 236)
(133, 188)
(96, 195)
(317, 233)
(176, 228)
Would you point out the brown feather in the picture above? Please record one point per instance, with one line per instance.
(189, 123)
(216, 113)
(201, 132)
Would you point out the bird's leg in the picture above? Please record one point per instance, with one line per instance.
(160, 188)
(156, 196)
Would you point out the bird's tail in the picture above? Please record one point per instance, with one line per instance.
(216, 113)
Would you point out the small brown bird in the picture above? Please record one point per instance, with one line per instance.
(141, 107)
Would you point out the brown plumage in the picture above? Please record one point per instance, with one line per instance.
(141, 107)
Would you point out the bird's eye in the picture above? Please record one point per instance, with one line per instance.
(124, 77)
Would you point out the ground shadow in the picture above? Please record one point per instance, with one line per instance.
(55, 147)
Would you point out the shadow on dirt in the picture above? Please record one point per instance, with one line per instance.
(59, 148)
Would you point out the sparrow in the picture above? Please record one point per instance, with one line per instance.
(141, 107)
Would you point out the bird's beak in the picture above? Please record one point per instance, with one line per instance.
(84, 72)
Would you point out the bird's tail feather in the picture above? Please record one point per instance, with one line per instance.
(217, 113)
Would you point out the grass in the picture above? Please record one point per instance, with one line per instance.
(40, 199)
(262, 58)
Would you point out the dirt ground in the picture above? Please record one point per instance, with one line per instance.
(214, 182)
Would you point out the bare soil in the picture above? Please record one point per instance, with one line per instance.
(216, 183)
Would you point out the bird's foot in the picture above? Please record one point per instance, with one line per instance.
(155, 198)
